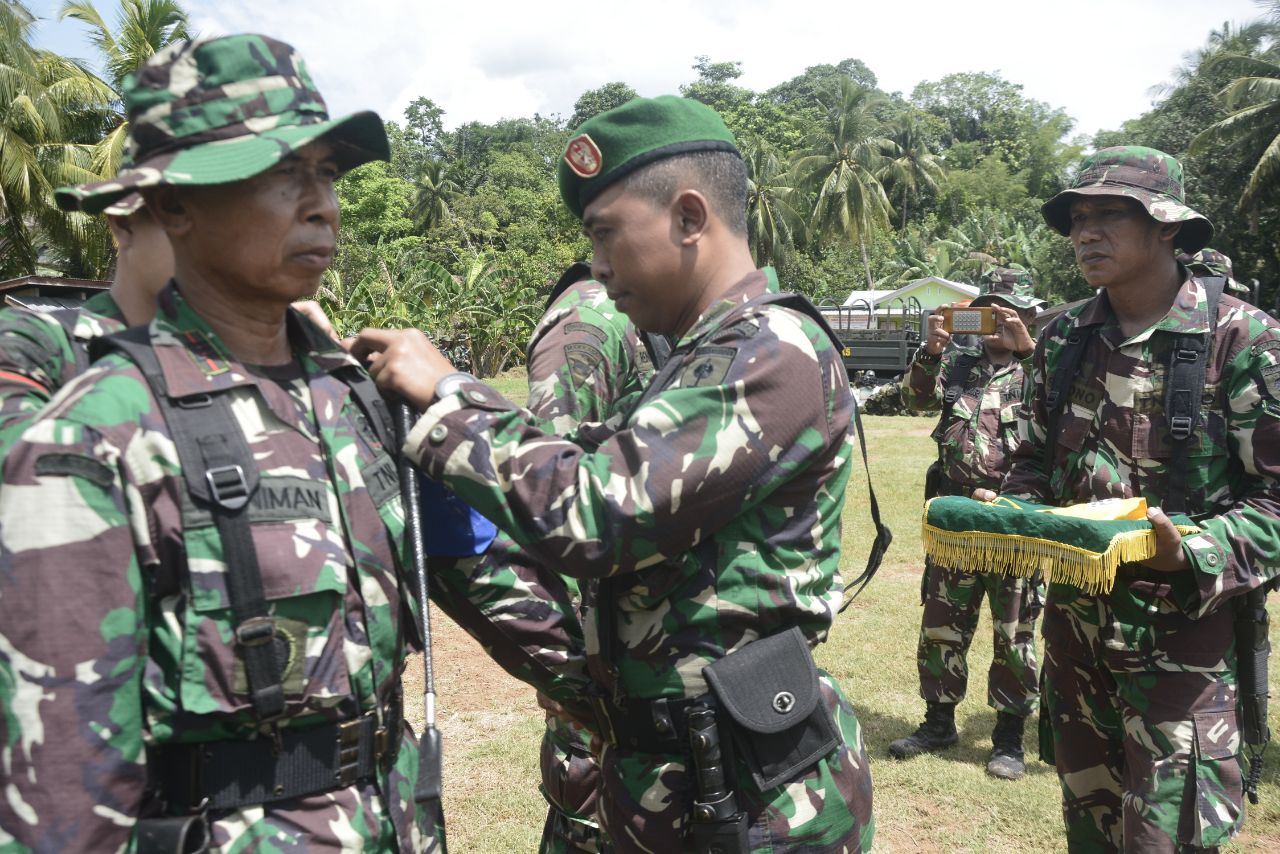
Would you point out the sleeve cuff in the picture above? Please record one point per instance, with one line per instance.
(446, 424)
(1204, 554)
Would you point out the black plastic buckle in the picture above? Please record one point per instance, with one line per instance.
(228, 486)
(1180, 426)
(194, 401)
(256, 631)
(1186, 354)
(348, 752)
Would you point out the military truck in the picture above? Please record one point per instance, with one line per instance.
(876, 347)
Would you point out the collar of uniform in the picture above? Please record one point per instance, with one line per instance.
(750, 286)
(195, 361)
(104, 305)
(1187, 314)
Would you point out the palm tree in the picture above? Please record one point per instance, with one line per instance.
(435, 189)
(913, 166)
(1254, 122)
(50, 111)
(143, 28)
(773, 221)
(844, 157)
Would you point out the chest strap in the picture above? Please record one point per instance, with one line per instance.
(220, 474)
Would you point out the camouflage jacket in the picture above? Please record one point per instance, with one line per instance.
(982, 432)
(37, 358)
(717, 506)
(136, 650)
(585, 360)
(1113, 437)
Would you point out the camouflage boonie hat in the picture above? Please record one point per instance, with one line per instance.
(1211, 262)
(1150, 176)
(126, 206)
(214, 111)
(1012, 287)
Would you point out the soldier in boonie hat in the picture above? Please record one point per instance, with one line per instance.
(1012, 287)
(1211, 262)
(1151, 177)
(213, 111)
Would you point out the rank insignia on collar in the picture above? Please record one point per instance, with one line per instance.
(583, 156)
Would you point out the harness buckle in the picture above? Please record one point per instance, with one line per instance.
(256, 631)
(1186, 354)
(349, 752)
(228, 486)
(1180, 426)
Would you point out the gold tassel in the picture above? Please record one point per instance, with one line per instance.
(1010, 554)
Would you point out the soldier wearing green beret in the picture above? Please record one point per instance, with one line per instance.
(1163, 388)
(706, 528)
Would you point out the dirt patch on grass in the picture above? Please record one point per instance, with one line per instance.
(469, 686)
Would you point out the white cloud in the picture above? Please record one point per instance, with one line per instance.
(486, 60)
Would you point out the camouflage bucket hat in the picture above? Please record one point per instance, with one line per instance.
(214, 111)
(1012, 287)
(1151, 177)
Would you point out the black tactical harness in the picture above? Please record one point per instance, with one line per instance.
(221, 475)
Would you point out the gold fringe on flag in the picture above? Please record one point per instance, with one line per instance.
(1007, 554)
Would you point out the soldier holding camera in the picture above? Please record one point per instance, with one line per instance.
(980, 391)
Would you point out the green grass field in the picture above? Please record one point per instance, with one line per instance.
(945, 803)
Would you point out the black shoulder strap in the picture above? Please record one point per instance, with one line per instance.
(68, 318)
(884, 536)
(577, 272)
(220, 472)
(957, 381)
(1184, 393)
(1064, 372)
(658, 347)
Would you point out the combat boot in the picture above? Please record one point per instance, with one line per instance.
(937, 732)
(1006, 760)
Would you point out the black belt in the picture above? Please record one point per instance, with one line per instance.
(651, 726)
(220, 775)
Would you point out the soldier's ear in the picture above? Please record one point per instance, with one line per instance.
(693, 214)
(168, 209)
(1169, 231)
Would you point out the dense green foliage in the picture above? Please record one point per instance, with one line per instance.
(850, 186)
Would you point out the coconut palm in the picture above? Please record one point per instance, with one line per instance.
(1254, 122)
(912, 166)
(774, 222)
(50, 110)
(841, 164)
(143, 28)
(436, 188)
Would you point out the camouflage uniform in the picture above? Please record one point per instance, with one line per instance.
(37, 357)
(1140, 697)
(975, 447)
(1211, 262)
(711, 519)
(144, 655)
(586, 363)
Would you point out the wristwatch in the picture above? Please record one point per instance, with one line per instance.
(450, 383)
(923, 355)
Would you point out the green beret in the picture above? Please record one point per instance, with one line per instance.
(612, 145)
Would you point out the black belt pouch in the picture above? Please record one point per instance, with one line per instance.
(770, 694)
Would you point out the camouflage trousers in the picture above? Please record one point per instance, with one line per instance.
(646, 798)
(1140, 715)
(570, 783)
(952, 607)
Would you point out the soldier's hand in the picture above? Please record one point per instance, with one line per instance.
(403, 361)
(938, 338)
(1169, 554)
(1016, 336)
(983, 495)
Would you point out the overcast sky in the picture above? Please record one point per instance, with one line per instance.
(488, 59)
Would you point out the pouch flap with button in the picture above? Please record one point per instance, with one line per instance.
(770, 694)
(769, 684)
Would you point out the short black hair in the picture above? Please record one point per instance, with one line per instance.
(721, 176)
